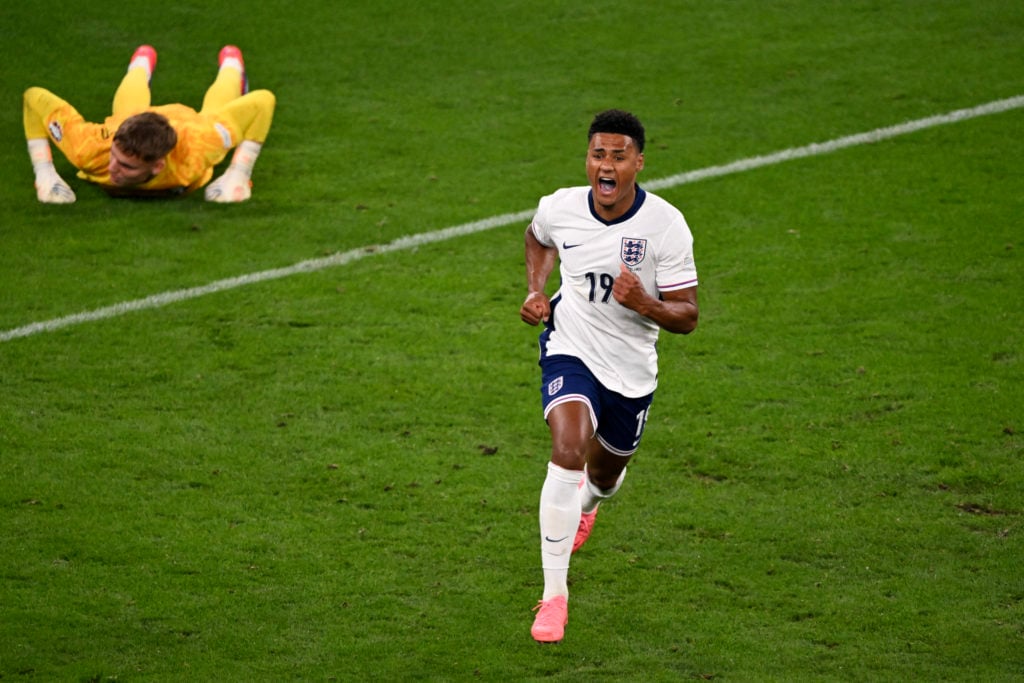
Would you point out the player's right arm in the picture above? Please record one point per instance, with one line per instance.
(86, 145)
(48, 117)
(540, 261)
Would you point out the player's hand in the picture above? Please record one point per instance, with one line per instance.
(53, 190)
(229, 188)
(628, 290)
(535, 309)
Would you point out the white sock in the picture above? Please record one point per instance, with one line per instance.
(140, 63)
(559, 519)
(231, 63)
(591, 496)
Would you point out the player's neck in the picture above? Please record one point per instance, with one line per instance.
(612, 212)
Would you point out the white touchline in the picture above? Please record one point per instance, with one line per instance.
(412, 241)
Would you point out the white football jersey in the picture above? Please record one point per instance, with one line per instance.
(617, 344)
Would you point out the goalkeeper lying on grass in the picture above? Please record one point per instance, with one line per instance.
(144, 151)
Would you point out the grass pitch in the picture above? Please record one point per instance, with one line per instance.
(334, 475)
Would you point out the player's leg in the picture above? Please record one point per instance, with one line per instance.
(569, 394)
(133, 95)
(602, 466)
(246, 118)
(230, 83)
(39, 107)
(602, 479)
(572, 429)
(604, 474)
(618, 436)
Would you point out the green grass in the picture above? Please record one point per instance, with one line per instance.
(334, 476)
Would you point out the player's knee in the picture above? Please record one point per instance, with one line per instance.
(266, 98)
(568, 457)
(604, 480)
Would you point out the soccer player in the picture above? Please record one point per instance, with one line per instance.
(144, 150)
(626, 263)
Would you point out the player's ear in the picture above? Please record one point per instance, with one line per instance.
(159, 165)
(640, 162)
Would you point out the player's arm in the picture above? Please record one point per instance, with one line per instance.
(540, 261)
(676, 311)
(38, 105)
(246, 119)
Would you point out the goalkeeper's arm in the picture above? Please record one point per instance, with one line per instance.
(248, 119)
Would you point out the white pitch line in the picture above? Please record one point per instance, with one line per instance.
(818, 148)
(412, 241)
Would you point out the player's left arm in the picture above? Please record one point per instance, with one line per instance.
(675, 311)
(247, 120)
(248, 117)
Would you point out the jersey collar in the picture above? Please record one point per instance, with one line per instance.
(638, 201)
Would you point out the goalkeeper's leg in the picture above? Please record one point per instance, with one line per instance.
(231, 82)
(133, 95)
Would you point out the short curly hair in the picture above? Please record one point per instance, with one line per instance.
(148, 136)
(619, 122)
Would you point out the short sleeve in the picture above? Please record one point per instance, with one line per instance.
(541, 225)
(676, 266)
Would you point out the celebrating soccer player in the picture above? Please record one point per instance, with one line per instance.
(627, 271)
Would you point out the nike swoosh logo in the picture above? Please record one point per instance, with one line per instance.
(566, 245)
(555, 540)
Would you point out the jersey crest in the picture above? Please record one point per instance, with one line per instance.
(633, 251)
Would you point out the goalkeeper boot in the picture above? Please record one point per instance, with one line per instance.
(144, 56)
(231, 52)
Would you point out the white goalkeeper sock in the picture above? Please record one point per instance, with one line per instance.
(559, 519)
(141, 62)
(232, 63)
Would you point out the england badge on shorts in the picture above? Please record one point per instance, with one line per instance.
(633, 251)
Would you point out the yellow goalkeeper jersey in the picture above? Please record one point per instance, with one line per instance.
(202, 144)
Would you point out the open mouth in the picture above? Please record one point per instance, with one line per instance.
(606, 184)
